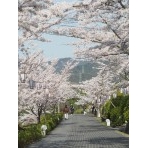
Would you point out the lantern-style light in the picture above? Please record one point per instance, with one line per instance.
(46, 91)
(114, 95)
(23, 77)
(38, 86)
(31, 84)
(44, 86)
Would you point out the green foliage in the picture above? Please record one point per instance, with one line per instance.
(117, 110)
(76, 107)
(126, 115)
(71, 101)
(33, 132)
(115, 116)
(30, 134)
(79, 111)
(106, 110)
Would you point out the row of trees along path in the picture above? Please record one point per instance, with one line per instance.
(82, 131)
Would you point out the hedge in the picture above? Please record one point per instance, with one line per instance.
(32, 132)
(118, 114)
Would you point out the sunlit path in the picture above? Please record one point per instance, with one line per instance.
(82, 131)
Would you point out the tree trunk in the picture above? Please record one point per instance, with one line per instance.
(38, 119)
(98, 112)
(39, 114)
(44, 115)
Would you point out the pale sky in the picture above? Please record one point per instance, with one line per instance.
(57, 48)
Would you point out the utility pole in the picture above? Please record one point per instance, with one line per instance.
(80, 77)
(80, 73)
(82, 68)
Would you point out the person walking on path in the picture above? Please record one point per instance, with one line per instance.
(66, 111)
(93, 108)
(71, 109)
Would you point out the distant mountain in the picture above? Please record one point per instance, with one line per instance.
(61, 63)
(85, 70)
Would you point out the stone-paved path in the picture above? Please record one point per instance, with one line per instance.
(82, 131)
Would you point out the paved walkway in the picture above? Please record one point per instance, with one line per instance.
(82, 131)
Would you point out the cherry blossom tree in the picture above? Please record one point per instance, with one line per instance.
(100, 88)
(104, 22)
(36, 17)
(48, 83)
(103, 29)
(101, 26)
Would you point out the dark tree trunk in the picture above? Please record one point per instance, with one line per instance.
(39, 114)
(38, 118)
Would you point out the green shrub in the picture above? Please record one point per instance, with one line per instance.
(60, 116)
(114, 115)
(117, 110)
(51, 123)
(79, 111)
(32, 132)
(55, 120)
(126, 115)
